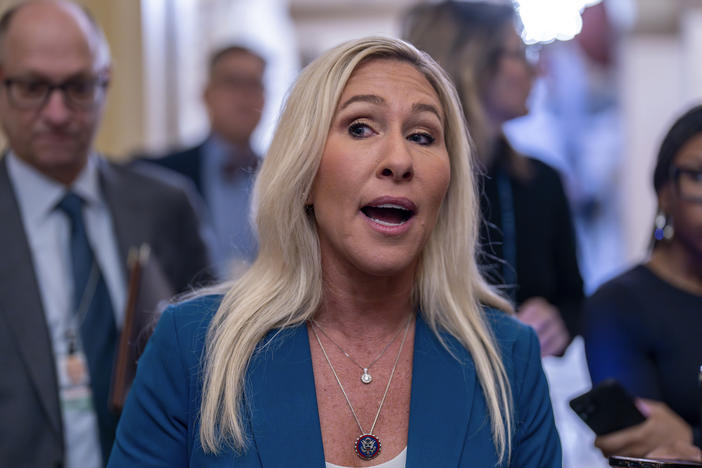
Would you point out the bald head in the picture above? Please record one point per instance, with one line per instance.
(52, 17)
(54, 65)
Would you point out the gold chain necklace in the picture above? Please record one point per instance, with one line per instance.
(367, 446)
(366, 378)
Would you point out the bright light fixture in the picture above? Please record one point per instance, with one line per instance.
(549, 20)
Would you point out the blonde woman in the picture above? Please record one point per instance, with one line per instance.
(363, 333)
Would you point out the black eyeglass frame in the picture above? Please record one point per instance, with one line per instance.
(676, 172)
(98, 83)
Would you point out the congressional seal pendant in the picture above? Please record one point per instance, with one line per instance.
(367, 446)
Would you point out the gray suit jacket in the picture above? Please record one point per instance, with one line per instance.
(143, 209)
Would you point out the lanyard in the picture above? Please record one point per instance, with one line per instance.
(73, 330)
(509, 231)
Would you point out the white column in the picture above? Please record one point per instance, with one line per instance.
(691, 42)
(652, 88)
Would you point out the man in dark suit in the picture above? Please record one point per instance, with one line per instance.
(68, 219)
(223, 166)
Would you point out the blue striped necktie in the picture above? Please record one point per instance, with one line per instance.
(95, 316)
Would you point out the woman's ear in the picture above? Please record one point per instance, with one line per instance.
(665, 198)
(309, 201)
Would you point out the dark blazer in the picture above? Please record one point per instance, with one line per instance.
(448, 424)
(187, 162)
(143, 209)
(543, 239)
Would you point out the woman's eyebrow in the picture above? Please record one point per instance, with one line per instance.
(377, 100)
(371, 98)
(421, 107)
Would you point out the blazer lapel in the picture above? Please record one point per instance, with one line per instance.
(441, 401)
(129, 217)
(195, 160)
(283, 402)
(20, 303)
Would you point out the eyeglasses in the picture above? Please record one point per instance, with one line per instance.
(78, 94)
(239, 83)
(529, 54)
(688, 182)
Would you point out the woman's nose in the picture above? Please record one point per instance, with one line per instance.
(397, 162)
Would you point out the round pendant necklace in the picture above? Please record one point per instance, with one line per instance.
(366, 378)
(367, 446)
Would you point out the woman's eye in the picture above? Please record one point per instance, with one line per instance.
(421, 138)
(360, 130)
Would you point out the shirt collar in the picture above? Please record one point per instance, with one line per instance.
(87, 184)
(219, 150)
(38, 194)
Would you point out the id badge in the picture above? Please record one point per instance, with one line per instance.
(74, 382)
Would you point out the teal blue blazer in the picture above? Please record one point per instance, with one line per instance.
(448, 427)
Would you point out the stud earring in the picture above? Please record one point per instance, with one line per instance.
(664, 228)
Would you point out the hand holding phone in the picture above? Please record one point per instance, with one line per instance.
(629, 462)
(677, 450)
(662, 428)
(607, 408)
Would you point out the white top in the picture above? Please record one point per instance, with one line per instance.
(398, 462)
(48, 236)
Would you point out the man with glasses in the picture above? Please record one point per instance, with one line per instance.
(223, 166)
(68, 219)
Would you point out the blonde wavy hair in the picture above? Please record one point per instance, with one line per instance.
(283, 287)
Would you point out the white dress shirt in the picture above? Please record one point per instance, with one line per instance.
(48, 236)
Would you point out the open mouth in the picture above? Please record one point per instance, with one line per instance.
(388, 214)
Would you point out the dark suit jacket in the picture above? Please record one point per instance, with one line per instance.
(187, 162)
(448, 426)
(542, 238)
(143, 209)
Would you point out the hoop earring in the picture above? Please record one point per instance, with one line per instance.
(664, 227)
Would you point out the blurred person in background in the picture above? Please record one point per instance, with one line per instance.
(69, 218)
(574, 125)
(528, 232)
(224, 165)
(643, 327)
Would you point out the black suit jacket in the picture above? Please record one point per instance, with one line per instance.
(143, 209)
(187, 162)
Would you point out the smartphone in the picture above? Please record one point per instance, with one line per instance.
(607, 407)
(650, 463)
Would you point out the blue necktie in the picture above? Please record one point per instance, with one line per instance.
(95, 316)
